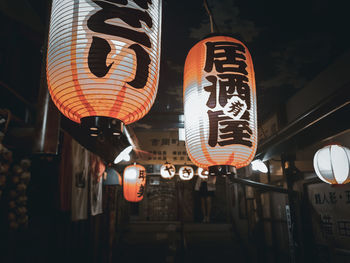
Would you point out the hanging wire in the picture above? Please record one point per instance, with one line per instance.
(211, 18)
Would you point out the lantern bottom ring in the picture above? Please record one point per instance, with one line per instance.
(215, 170)
(107, 126)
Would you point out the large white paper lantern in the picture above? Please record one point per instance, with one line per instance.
(103, 57)
(332, 164)
(220, 103)
(186, 173)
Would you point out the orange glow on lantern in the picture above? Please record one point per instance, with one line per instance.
(134, 182)
(220, 103)
(103, 58)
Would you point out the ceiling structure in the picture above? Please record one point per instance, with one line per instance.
(290, 43)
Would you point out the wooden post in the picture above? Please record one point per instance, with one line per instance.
(47, 126)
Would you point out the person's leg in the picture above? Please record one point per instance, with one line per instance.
(208, 199)
(203, 207)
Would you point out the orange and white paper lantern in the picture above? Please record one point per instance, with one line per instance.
(220, 103)
(103, 57)
(167, 171)
(134, 182)
(186, 173)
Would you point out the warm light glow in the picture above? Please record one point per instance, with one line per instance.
(186, 173)
(220, 103)
(332, 164)
(167, 171)
(124, 155)
(258, 165)
(134, 179)
(202, 173)
(103, 58)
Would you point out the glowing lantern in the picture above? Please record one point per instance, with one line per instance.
(112, 177)
(134, 183)
(220, 103)
(103, 58)
(202, 173)
(186, 173)
(332, 164)
(167, 170)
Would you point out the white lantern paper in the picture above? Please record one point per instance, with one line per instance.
(202, 173)
(167, 171)
(186, 173)
(332, 164)
(103, 57)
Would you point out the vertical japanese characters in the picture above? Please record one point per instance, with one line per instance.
(220, 103)
(134, 183)
(103, 57)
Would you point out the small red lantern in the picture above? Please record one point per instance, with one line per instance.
(167, 171)
(134, 182)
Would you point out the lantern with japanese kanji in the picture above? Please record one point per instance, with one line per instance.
(103, 58)
(134, 182)
(167, 171)
(220, 103)
(202, 173)
(332, 164)
(186, 173)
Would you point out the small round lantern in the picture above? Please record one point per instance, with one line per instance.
(134, 182)
(202, 173)
(332, 164)
(112, 177)
(167, 171)
(186, 173)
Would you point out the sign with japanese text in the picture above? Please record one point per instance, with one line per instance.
(220, 103)
(103, 57)
(330, 214)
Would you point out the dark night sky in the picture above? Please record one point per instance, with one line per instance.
(290, 42)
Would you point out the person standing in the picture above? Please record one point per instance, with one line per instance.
(206, 189)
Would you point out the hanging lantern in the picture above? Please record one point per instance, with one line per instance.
(332, 164)
(186, 173)
(167, 171)
(103, 58)
(220, 103)
(134, 183)
(112, 177)
(202, 173)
